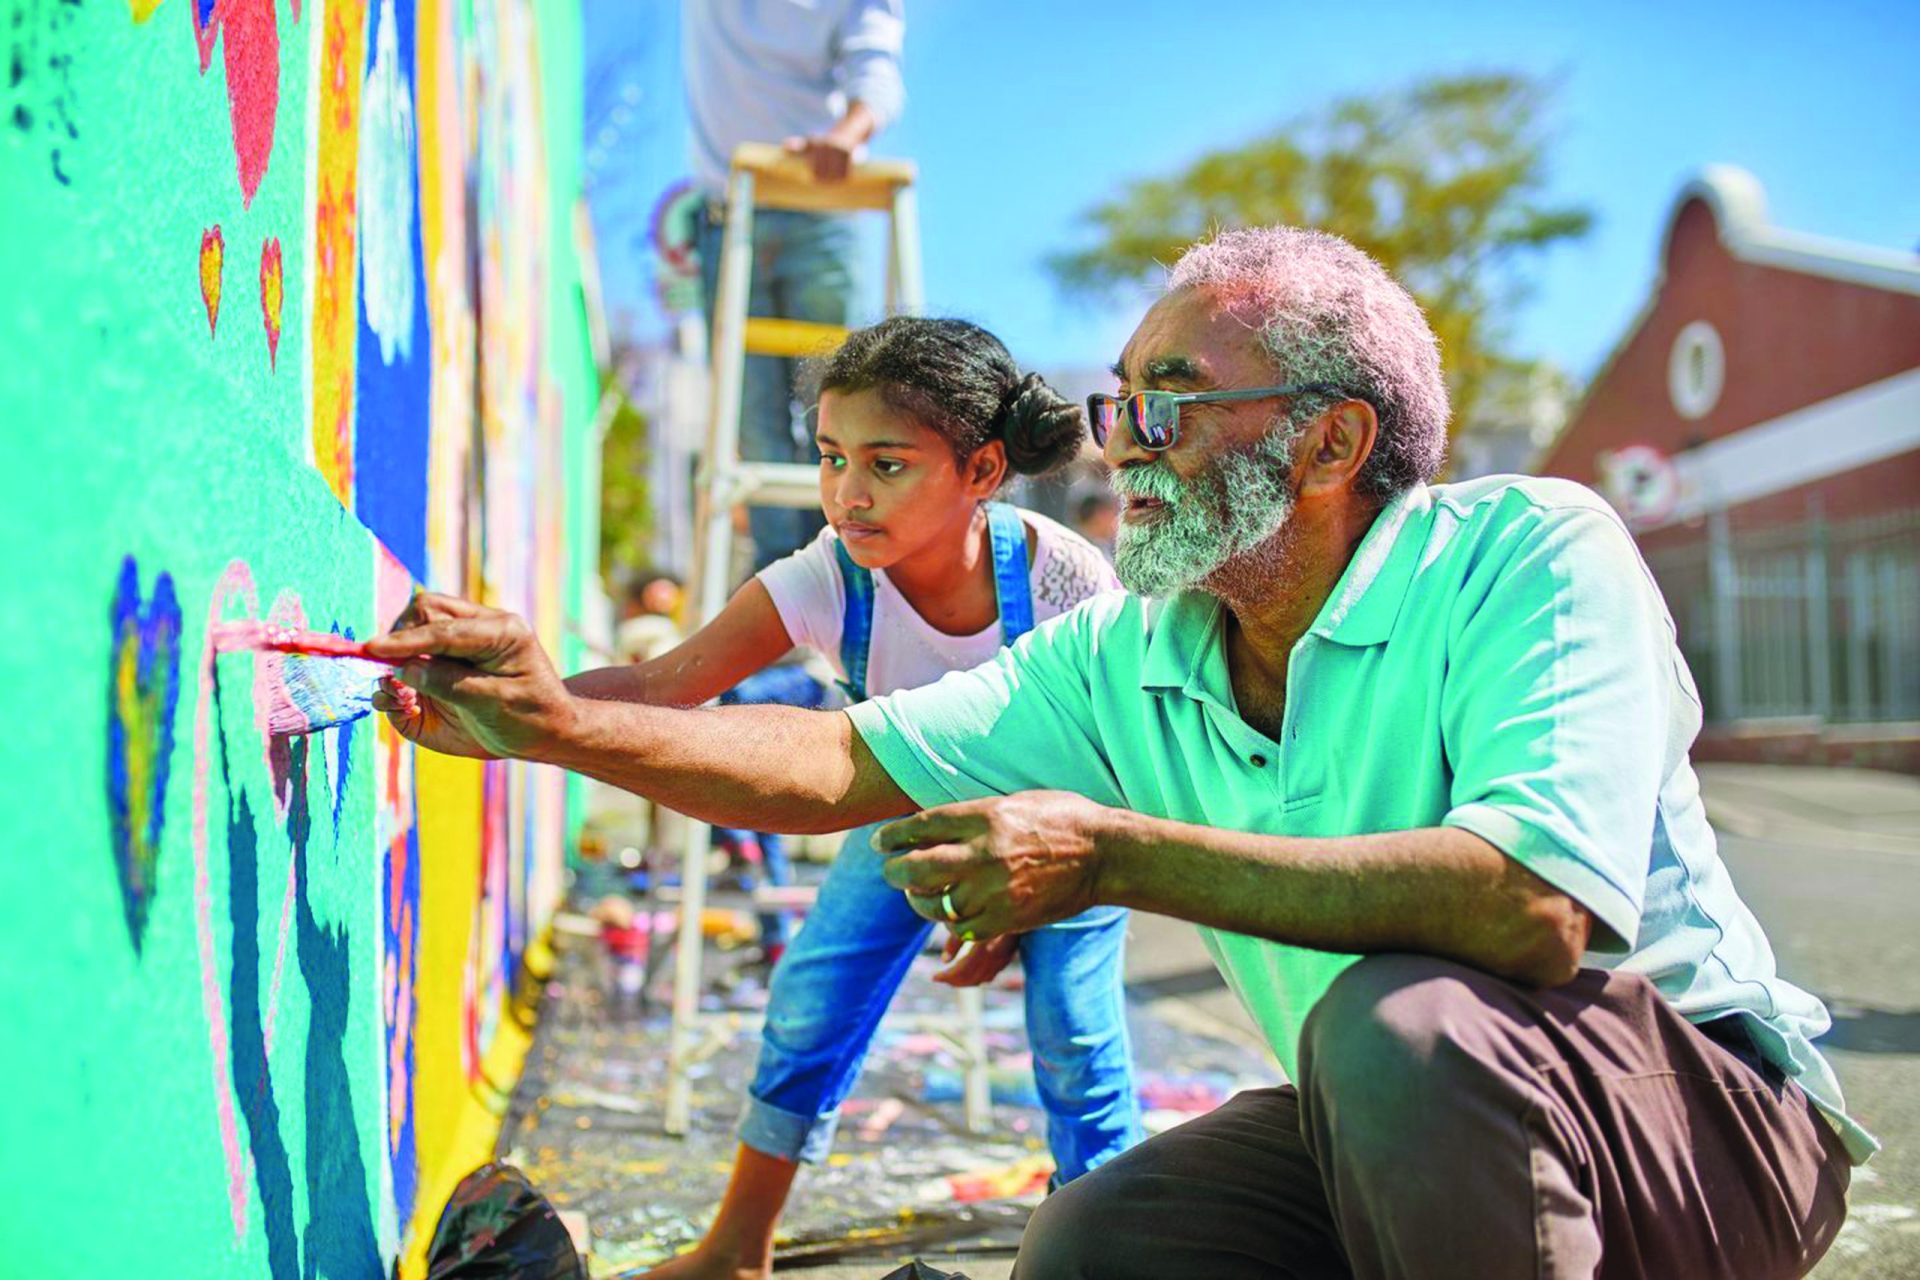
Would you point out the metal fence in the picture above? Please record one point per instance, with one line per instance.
(1818, 620)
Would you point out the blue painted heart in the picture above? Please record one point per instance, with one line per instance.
(143, 690)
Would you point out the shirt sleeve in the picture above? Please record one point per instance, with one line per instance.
(1022, 721)
(809, 596)
(1557, 711)
(867, 52)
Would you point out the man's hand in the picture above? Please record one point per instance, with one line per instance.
(828, 155)
(485, 687)
(981, 963)
(1007, 864)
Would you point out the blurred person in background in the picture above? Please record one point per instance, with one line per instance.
(1096, 517)
(821, 77)
(649, 616)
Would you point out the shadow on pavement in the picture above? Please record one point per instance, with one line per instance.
(1859, 1028)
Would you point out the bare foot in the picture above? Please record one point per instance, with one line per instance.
(705, 1263)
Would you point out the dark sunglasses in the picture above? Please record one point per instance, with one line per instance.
(1154, 416)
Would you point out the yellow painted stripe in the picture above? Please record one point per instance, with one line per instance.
(767, 336)
(475, 1134)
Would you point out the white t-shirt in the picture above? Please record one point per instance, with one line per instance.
(906, 651)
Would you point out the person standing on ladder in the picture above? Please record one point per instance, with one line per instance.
(823, 77)
(921, 573)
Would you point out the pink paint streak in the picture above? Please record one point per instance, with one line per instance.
(287, 616)
(235, 636)
(237, 580)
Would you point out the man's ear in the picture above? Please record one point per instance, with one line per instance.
(986, 470)
(1339, 442)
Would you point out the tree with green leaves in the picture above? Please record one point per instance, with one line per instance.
(1443, 182)
(626, 502)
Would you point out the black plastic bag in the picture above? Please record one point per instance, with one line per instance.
(497, 1227)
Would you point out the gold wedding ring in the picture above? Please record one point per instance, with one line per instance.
(946, 906)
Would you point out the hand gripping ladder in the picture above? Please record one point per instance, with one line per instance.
(766, 177)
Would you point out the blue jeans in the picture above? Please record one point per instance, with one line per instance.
(805, 267)
(838, 976)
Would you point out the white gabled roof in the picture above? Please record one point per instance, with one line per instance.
(1739, 207)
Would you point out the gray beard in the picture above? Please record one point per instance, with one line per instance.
(1227, 512)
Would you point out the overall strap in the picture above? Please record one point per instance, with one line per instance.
(856, 623)
(1012, 585)
(1012, 589)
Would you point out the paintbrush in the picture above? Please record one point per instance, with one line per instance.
(322, 681)
(294, 640)
(316, 692)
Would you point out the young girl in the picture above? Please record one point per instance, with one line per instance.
(918, 573)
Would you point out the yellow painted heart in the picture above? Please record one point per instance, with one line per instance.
(213, 252)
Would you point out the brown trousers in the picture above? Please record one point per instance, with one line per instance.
(1449, 1124)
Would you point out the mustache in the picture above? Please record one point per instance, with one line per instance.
(1149, 481)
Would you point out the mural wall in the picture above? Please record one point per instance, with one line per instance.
(291, 322)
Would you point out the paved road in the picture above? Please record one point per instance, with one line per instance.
(1845, 923)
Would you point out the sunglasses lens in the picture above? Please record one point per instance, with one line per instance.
(1099, 417)
(1154, 418)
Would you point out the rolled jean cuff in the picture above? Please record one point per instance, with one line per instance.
(787, 1135)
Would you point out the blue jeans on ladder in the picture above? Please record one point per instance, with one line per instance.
(841, 971)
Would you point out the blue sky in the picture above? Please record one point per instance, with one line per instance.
(1021, 114)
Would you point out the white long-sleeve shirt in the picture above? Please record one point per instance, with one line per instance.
(767, 70)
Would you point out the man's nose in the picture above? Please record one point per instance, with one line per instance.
(1121, 449)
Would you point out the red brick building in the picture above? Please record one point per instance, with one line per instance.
(1759, 425)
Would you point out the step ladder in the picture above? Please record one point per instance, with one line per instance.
(767, 177)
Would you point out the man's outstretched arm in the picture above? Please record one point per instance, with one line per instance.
(484, 687)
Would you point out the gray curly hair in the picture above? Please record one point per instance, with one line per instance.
(1327, 312)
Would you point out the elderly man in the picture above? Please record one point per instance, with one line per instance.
(1413, 756)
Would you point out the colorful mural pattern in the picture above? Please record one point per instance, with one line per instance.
(311, 938)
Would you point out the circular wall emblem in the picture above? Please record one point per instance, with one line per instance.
(1696, 370)
(1641, 483)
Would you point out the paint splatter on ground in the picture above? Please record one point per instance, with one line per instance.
(905, 1179)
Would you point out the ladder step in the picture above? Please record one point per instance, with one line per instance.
(770, 336)
(772, 484)
(785, 181)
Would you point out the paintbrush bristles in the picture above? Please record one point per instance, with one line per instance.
(315, 693)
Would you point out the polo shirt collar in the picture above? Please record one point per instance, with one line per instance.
(1366, 601)
(1185, 628)
(1362, 610)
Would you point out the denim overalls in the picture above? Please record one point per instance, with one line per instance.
(839, 974)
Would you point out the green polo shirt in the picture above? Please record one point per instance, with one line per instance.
(1496, 657)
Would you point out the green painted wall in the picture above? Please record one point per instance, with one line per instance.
(292, 321)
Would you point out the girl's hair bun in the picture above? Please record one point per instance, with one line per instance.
(1042, 430)
(959, 380)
